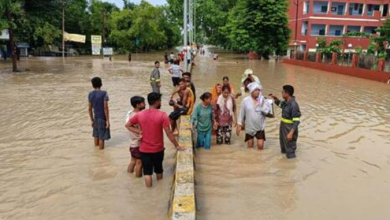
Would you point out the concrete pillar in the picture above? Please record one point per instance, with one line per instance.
(355, 58)
(334, 58)
(318, 57)
(381, 64)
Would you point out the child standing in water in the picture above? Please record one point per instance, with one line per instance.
(138, 104)
(100, 120)
(225, 114)
(203, 119)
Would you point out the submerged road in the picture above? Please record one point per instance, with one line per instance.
(50, 169)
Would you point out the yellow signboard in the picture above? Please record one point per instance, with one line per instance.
(96, 39)
(74, 37)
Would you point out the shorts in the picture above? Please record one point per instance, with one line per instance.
(175, 81)
(152, 162)
(177, 113)
(135, 153)
(260, 135)
(99, 129)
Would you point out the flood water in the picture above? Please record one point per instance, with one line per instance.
(50, 169)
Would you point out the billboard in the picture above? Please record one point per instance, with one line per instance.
(74, 37)
(4, 35)
(96, 41)
(108, 51)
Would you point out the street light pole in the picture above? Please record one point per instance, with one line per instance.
(297, 3)
(185, 30)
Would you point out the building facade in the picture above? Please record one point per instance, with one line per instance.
(311, 19)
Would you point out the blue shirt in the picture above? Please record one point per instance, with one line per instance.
(97, 98)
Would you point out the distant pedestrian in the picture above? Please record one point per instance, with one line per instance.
(100, 120)
(171, 57)
(155, 81)
(202, 119)
(166, 58)
(135, 132)
(129, 57)
(291, 116)
(153, 122)
(176, 72)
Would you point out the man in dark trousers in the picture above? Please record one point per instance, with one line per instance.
(288, 134)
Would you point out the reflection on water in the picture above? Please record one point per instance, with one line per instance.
(50, 169)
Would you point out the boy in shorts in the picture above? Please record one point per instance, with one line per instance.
(100, 120)
(138, 104)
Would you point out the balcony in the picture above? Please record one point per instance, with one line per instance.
(370, 30)
(336, 30)
(318, 30)
(353, 29)
(320, 7)
(338, 8)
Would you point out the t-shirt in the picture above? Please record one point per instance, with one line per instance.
(203, 118)
(135, 139)
(97, 98)
(152, 122)
(176, 71)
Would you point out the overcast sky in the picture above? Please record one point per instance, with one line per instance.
(119, 3)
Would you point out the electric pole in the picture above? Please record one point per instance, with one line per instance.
(185, 30)
(103, 27)
(63, 29)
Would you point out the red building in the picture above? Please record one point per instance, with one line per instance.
(310, 19)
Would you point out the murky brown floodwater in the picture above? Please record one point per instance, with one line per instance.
(50, 169)
(343, 166)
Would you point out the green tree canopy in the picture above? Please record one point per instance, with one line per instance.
(258, 25)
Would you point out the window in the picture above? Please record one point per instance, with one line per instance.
(338, 8)
(320, 7)
(353, 29)
(304, 28)
(306, 7)
(355, 9)
(336, 30)
(370, 30)
(371, 8)
(318, 29)
(385, 10)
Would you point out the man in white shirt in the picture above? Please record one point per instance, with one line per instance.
(254, 109)
(176, 71)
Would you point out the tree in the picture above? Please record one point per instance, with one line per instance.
(148, 25)
(11, 10)
(258, 25)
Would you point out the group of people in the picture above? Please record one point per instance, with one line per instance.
(217, 114)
